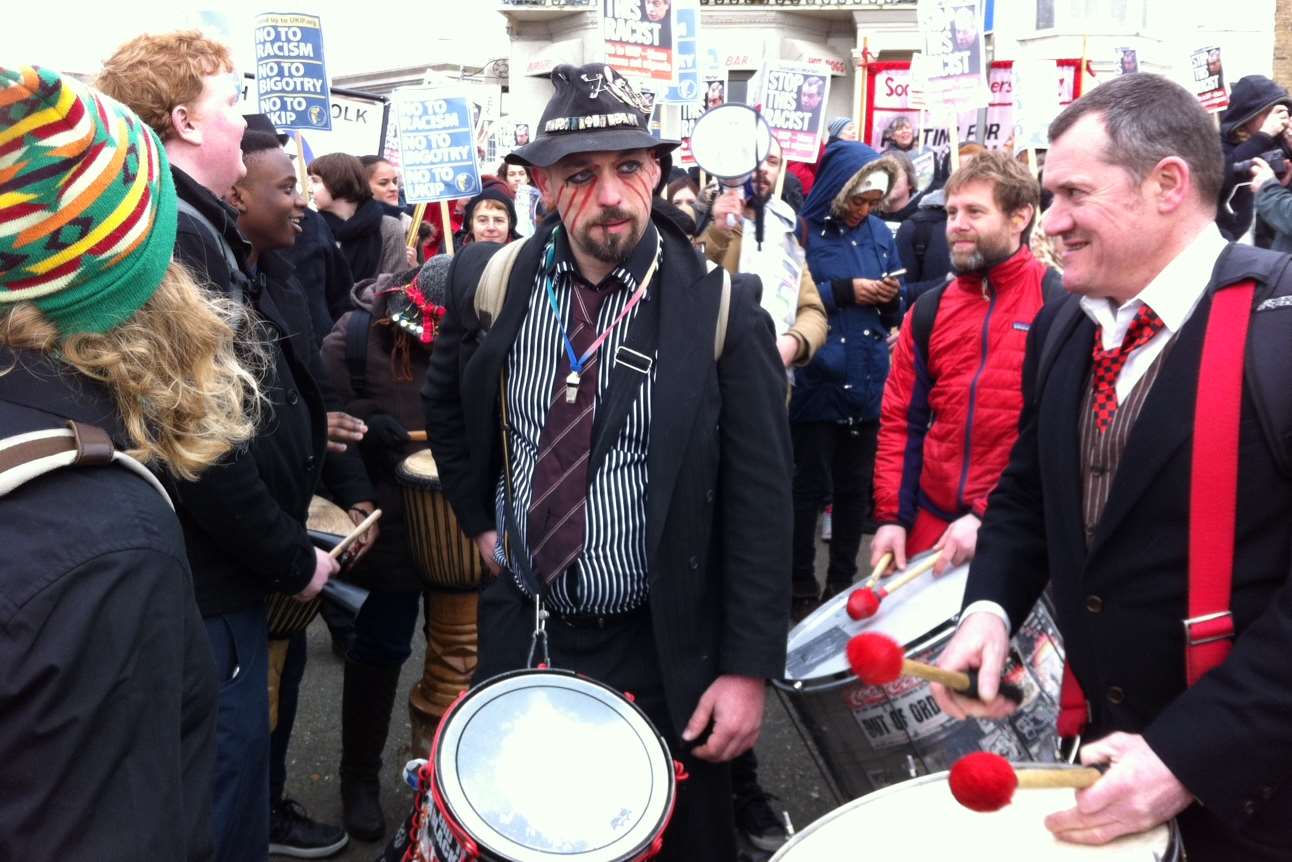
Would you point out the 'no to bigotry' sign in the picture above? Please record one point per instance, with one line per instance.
(291, 79)
(437, 150)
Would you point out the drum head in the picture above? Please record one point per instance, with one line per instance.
(543, 764)
(817, 645)
(896, 822)
(419, 468)
(327, 517)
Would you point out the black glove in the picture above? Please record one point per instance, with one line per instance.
(384, 442)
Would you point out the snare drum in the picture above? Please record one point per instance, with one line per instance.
(446, 558)
(544, 766)
(919, 819)
(286, 616)
(873, 736)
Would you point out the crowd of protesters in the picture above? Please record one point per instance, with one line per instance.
(255, 344)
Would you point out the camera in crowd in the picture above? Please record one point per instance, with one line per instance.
(1277, 160)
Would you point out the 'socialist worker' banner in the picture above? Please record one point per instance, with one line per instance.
(639, 39)
(888, 97)
(953, 52)
(1209, 79)
(793, 99)
(291, 79)
(437, 149)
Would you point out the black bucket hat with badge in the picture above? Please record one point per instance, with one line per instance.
(594, 109)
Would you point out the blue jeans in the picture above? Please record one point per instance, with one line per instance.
(240, 803)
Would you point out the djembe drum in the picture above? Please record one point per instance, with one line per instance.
(287, 617)
(451, 571)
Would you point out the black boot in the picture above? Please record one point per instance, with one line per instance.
(369, 695)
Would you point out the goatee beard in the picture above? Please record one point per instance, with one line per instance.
(982, 260)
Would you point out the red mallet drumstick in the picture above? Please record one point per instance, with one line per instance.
(983, 781)
(864, 602)
(877, 659)
(354, 534)
(417, 436)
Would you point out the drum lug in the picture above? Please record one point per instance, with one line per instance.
(1066, 748)
(679, 772)
(630, 697)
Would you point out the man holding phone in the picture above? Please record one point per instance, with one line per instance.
(958, 363)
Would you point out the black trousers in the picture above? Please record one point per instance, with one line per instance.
(622, 656)
(831, 459)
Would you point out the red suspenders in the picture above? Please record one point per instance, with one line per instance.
(1213, 491)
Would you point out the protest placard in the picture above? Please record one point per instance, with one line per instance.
(953, 52)
(687, 59)
(888, 97)
(358, 121)
(437, 146)
(793, 97)
(639, 39)
(291, 78)
(1209, 79)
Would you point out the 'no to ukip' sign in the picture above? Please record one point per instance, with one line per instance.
(437, 150)
(291, 79)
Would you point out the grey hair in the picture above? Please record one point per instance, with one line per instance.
(1149, 118)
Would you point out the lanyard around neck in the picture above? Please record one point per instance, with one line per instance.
(578, 363)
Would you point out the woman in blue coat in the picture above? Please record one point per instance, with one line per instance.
(834, 411)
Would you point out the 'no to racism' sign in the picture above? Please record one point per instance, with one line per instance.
(437, 150)
(291, 79)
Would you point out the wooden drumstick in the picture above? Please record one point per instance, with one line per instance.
(864, 602)
(877, 659)
(878, 570)
(354, 534)
(984, 781)
(417, 436)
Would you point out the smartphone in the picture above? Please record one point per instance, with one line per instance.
(897, 273)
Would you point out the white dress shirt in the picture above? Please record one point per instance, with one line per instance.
(1173, 294)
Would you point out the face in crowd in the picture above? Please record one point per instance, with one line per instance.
(268, 200)
(489, 222)
(768, 172)
(683, 197)
(214, 123)
(859, 206)
(516, 176)
(903, 135)
(1095, 209)
(604, 199)
(384, 182)
(810, 94)
(979, 233)
(656, 10)
(714, 96)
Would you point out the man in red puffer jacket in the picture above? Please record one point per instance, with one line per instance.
(951, 404)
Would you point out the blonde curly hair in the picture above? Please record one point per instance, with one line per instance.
(185, 371)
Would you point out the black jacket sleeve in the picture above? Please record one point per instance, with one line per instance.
(442, 394)
(755, 476)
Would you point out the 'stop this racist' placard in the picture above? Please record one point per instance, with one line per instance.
(639, 37)
(793, 99)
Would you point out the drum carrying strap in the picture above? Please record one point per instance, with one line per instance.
(1213, 499)
(24, 457)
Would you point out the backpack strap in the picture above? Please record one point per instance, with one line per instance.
(491, 292)
(237, 278)
(356, 350)
(724, 312)
(24, 457)
(923, 236)
(923, 315)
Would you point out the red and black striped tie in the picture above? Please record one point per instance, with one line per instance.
(559, 490)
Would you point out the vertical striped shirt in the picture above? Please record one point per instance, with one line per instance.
(609, 576)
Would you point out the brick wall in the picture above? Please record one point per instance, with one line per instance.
(1283, 41)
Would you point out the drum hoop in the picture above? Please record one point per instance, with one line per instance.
(458, 809)
(939, 634)
(407, 477)
(1172, 828)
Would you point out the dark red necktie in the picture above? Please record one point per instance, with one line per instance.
(1109, 363)
(559, 490)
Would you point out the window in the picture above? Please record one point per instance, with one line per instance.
(1044, 14)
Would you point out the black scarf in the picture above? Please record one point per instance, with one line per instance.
(360, 238)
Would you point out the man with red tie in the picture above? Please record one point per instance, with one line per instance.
(1150, 487)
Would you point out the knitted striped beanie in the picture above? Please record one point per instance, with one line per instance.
(87, 203)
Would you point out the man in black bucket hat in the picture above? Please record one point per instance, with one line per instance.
(610, 429)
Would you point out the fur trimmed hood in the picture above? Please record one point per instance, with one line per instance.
(884, 165)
